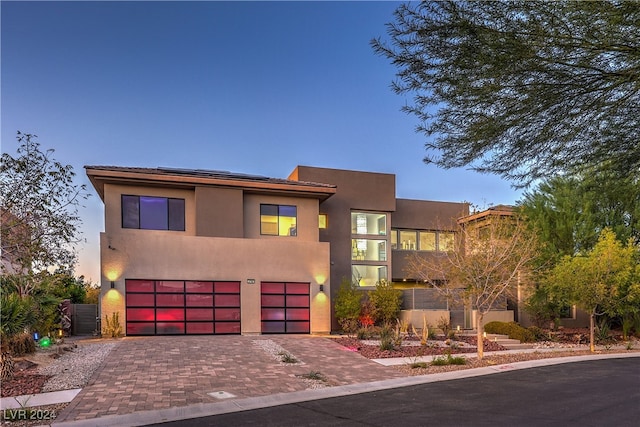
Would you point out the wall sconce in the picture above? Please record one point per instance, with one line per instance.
(113, 284)
(321, 288)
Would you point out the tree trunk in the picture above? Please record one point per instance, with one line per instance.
(480, 328)
(592, 325)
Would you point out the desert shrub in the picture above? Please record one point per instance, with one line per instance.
(287, 357)
(387, 339)
(386, 301)
(538, 333)
(21, 344)
(416, 365)
(363, 334)
(448, 359)
(602, 331)
(512, 329)
(347, 306)
(444, 325)
(112, 327)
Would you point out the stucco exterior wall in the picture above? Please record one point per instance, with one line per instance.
(145, 254)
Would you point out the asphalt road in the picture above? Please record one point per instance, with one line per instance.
(591, 393)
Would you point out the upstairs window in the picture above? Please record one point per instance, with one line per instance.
(278, 220)
(152, 213)
(368, 223)
(422, 240)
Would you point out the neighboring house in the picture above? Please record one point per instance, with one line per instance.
(208, 252)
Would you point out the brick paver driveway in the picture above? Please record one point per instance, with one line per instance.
(150, 373)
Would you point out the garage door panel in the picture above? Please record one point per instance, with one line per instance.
(297, 288)
(273, 328)
(298, 327)
(169, 314)
(147, 328)
(298, 301)
(199, 287)
(199, 314)
(170, 328)
(147, 300)
(232, 300)
(170, 300)
(227, 287)
(140, 285)
(297, 314)
(196, 300)
(171, 286)
(147, 314)
(227, 327)
(272, 300)
(227, 314)
(272, 314)
(167, 307)
(200, 328)
(285, 307)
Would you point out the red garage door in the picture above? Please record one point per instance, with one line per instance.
(176, 307)
(285, 308)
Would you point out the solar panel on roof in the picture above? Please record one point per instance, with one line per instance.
(207, 172)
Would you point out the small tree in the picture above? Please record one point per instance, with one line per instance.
(487, 264)
(386, 302)
(347, 305)
(606, 280)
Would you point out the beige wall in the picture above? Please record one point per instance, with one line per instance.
(219, 212)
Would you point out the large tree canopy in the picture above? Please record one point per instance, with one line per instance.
(568, 213)
(523, 89)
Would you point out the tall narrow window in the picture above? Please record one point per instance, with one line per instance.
(278, 220)
(323, 221)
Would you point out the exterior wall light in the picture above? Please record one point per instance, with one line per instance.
(113, 284)
(321, 288)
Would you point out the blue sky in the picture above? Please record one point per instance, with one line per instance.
(253, 87)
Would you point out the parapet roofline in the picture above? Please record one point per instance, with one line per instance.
(190, 177)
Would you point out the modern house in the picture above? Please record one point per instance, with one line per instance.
(208, 252)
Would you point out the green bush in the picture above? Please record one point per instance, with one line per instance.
(538, 333)
(448, 360)
(387, 341)
(512, 329)
(386, 302)
(347, 305)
